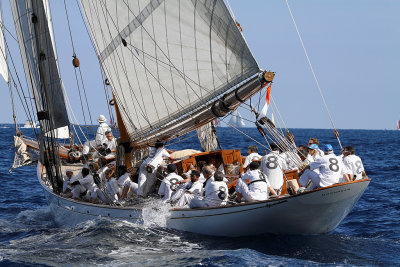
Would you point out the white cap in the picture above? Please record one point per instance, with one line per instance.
(68, 170)
(101, 119)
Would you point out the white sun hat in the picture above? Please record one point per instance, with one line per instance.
(101, 119)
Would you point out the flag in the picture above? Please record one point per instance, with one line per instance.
(264, 110)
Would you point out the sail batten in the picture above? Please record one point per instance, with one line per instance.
(166, 59)
(132, 26)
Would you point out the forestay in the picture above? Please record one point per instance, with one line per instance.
(166, 59)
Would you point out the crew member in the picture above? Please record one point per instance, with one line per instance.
(148, 169)
(258, 187)
(253, 155)
(353, 163)
(215, 193)
(109, 145)
(272, 165)
(313, 153)
(330, 168)
(315, 141)
(170, 183)
(193, 189)
(91, 145)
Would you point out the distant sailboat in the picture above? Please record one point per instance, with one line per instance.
(398, 125)
(30, 124)
(237, 120)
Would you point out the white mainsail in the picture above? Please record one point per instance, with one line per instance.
(3, 57)
(167, 59)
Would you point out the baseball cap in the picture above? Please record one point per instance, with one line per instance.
(313, 146)
(328, 148)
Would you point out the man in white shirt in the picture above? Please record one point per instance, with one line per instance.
(253, 155)
(313, 153)
(126, 186)
(170, 183)
(353, 163)
(194, 189)
(101, 130)
(184, 185)
(200, 165)
(109, 145)
(100, 135)
(331, 170)
(272, 165)
(258, 185)
(83, 186)
(110, 193)
(315, 141)
(148, 169)
(67, 178)
(215, 193)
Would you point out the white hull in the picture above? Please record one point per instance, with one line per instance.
(315, 212)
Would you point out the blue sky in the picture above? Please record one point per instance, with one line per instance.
(354, 47)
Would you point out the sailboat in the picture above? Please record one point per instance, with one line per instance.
(172, 67)
(398, 124)
(236, 120)
(30, 124)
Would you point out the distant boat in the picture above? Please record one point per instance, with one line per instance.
(30, 124)
(237, 120)
(398, 125)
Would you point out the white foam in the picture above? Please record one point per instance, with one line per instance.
(155, 214)
(41, 216)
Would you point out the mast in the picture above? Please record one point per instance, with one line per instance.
(173, 65)
(123, 137)
(38, 55)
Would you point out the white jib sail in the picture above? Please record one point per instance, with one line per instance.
(33, 27)
(164, 59)
(3, 57)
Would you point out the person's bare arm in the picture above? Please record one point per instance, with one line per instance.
(272, 191)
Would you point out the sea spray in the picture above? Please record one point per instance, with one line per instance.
(155, 214)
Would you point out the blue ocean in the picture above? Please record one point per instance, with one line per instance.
(369, 235)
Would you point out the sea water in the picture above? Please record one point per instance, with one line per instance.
(369, 235)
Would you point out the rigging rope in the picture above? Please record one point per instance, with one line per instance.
(314, 75)
(230, 125)
(28, 111)
(80, 72)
